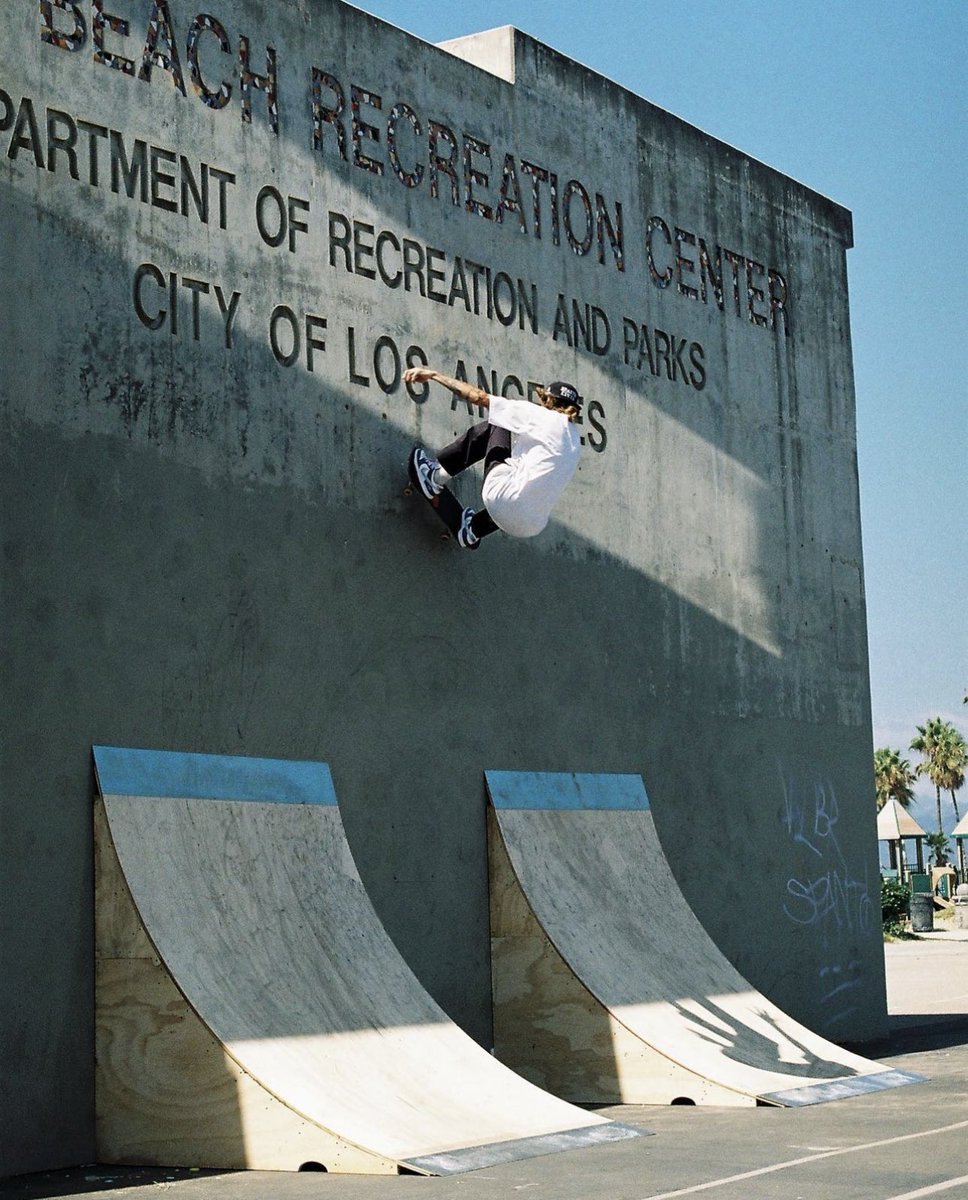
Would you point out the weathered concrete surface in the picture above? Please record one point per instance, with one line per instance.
(205, 548)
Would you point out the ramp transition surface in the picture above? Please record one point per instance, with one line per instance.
(252, 1010)
(606, 986)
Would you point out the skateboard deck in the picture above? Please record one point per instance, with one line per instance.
(446, 505)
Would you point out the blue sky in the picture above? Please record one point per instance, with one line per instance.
(866, 102)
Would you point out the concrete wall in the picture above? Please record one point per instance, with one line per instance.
(205, 542)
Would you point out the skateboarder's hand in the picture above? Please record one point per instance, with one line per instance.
(459, 387)
(419, 375)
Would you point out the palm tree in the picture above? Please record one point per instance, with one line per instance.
(893, 777)
(945, 757)
(953, 776)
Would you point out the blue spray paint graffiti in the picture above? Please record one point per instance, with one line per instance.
(826, 895)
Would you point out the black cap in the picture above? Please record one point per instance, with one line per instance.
(567, 393)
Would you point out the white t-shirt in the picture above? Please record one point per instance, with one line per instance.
(545, 448)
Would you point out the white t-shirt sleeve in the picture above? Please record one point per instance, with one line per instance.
(521, 416)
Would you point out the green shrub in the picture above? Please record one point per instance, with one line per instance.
(895, 906)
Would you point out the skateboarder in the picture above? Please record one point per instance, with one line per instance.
(529, 451)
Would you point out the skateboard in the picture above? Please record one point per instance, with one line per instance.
(446, 505)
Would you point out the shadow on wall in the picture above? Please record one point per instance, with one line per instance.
(208, 550)
(216, 608)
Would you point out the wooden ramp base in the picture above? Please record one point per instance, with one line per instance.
(169, 1095)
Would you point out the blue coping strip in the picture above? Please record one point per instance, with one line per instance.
(562, 790)
(168, 773)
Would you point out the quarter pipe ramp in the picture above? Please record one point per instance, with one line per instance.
(251, 1009)
(607, 988)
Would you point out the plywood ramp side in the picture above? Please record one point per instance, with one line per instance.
(118, 929)
(166, 1091)
(168, 1094)
(551, 1029)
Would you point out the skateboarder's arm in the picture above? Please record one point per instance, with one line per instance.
(466, 391)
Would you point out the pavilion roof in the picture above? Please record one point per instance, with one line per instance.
(893, 823)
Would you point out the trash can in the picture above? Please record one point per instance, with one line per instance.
(922, 912)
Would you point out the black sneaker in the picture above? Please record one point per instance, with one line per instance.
(422, 468)
(467, 539)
